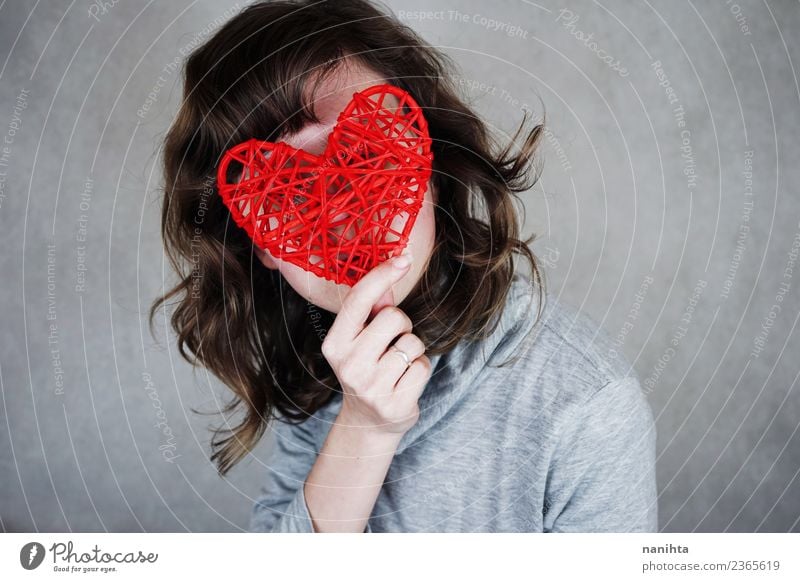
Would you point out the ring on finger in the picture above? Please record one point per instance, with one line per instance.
(403, 355)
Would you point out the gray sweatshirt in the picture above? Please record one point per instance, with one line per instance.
(560, 439)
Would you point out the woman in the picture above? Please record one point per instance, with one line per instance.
(449, 394)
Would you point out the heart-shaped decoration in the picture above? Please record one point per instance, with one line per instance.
(339, 214)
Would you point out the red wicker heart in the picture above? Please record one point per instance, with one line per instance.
(335, 215)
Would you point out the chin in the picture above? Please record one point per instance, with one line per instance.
(323, 293)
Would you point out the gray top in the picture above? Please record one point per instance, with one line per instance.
(560, 439)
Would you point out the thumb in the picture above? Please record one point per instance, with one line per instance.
(388, 297)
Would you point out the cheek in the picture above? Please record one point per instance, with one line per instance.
(423, 234)
(321, 292)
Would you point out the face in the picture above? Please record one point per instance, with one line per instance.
(333, 96)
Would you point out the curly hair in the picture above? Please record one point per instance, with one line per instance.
(249, 80)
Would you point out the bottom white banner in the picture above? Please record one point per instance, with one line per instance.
(388, 557)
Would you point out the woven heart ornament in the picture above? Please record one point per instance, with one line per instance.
(341, 213)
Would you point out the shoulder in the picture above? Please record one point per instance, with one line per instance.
(563, 342)
(583, 342)
(566, 365)
(601, 473)
(590, 417)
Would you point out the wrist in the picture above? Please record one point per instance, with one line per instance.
(369, 439)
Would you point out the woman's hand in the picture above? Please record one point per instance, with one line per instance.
(379, 405)
(380, 390)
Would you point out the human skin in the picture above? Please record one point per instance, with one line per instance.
(379, 389)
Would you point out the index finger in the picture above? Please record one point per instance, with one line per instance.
(358, 303)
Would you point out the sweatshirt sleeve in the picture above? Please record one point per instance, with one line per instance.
(602, 476)
(280, 506)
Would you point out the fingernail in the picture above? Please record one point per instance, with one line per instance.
(402, 261)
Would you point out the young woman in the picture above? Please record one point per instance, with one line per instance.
(445, 390)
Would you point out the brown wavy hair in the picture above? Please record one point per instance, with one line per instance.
(242, 321)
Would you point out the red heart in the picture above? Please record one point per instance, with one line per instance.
(337, 208)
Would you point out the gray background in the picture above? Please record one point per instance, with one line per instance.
(614, 207)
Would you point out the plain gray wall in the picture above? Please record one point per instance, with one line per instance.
(621, 209)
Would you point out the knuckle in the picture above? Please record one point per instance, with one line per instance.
(415, 344)
(329, 349)
(397, 317)
(424, 364)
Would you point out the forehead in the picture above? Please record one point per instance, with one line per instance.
(330, 96)
(334, 91)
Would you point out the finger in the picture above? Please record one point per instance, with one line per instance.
(373, 340)
(358, 302)
(391, 367)
(385, 300)
(392, 364)
(411, 344)
(412, 383)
